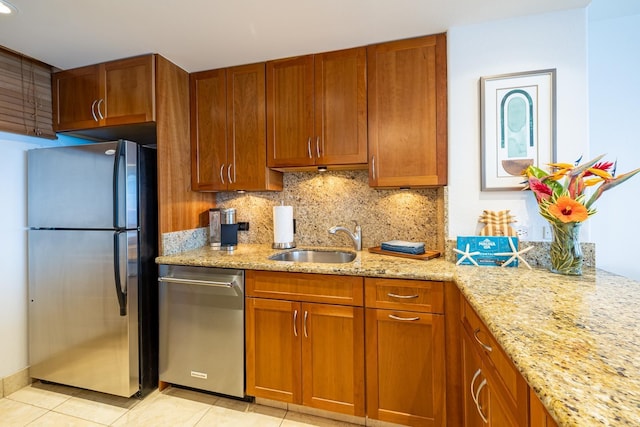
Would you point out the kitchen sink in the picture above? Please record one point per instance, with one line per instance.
(312, 255)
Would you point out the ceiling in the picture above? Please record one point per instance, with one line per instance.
(206, 34)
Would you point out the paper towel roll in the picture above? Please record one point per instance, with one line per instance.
(282, 224)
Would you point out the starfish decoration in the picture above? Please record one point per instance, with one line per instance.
(515, 254)
(466, 255)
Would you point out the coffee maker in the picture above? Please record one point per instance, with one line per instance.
(223, 229)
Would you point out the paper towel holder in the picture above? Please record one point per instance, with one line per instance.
(286, 245)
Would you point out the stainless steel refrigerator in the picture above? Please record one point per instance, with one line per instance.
(93, 300)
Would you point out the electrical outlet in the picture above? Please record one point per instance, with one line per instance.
(546, 233)
(522, 231)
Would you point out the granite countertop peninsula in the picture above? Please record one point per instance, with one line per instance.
(576, 340)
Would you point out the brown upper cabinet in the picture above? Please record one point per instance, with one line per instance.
(317, 110)
(228, 130)
(113, 93)
(407, 98)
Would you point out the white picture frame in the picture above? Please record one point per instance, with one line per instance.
(517, 119)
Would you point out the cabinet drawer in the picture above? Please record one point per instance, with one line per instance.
(308, 287)
(505, 371)
(400, 294)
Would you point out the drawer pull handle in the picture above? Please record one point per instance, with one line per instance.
(93, 110)
(407, 319)
(477, 399)
(306, 314)
(221, 175)
(402, 296)
(485, 346)
(295, 322)
(309, 148)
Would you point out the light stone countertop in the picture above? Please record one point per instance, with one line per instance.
(576, 340)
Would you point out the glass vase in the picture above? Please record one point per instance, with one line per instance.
(566, 253)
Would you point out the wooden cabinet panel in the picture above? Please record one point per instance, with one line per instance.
(129, 91)
(119, 92)
(484, 404)
(228, 139)
(316, 110)
(310, 354)
(341, 107)
(333, 358)
(343, 290)
(539, 416)
(502, 393)
(399, 294)
(208, 113)
(406, 367)
(508, 376)
(290, 111)
(325, 367)
(407, 94)
(75, 95)
(246, 131)
(273, 349)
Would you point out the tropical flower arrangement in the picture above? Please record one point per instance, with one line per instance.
(563, 200)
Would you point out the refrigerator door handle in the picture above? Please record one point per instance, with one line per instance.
(119, 155)
(122, 294)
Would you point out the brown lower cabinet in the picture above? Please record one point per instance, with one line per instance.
(406, 372)
(494, 392)
(430, 360)
(538, 414)
(308, 353)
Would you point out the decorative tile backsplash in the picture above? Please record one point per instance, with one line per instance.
(322, 200)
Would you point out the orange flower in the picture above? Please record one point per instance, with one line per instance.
(568, 210)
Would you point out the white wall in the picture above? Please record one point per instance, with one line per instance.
(614, 91)
(13, 249)
(555, 40)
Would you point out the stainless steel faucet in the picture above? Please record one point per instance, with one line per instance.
(356, 235)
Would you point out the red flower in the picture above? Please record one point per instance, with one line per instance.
(540, 189)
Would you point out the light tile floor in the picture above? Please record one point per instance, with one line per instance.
(43, 405)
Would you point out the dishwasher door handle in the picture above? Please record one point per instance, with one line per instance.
(196, 282)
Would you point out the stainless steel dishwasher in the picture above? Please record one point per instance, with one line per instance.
(202, 328)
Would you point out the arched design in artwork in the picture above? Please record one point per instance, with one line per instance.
(516, 123)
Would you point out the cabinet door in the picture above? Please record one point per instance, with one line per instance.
(273, 349)
(208, 130)
(75, 96)
(407, 112)
(406, 367)
(485, 403)
(539, 416)
(473, 379)
(290, 112)
(246, 130)
(333, 358)
(340, 107)
(129, 93)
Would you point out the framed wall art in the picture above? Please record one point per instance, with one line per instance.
(517, 119)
